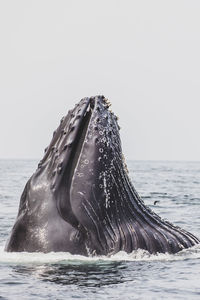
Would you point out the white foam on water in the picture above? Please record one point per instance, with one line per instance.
(38, 258)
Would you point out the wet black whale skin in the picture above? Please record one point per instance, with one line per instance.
(80, 199)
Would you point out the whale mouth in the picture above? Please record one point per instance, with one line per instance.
(76, 138)
(80, 137)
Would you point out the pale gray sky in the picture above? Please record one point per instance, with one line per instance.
(143, 55)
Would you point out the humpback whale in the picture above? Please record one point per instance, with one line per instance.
(80, 199)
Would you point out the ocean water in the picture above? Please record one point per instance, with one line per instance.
(176, 188)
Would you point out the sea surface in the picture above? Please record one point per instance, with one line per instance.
(139, 275)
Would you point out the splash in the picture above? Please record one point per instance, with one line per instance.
(38, 258)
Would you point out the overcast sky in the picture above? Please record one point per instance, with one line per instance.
(144, 56)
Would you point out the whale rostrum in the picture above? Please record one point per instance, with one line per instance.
(81, 200)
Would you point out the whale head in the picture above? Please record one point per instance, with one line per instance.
(79, 169)
(80, 198)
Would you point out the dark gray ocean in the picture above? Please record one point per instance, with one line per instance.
(176, 187)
